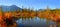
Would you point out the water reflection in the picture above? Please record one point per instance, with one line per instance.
(37, 22)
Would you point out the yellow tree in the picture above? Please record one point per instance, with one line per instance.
(1, 16)
(47, 13)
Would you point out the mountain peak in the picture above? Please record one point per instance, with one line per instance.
(13, 5)
(10, 8)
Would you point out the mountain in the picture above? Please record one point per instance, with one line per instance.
(41, 10)
(14, 7)
(11, 8)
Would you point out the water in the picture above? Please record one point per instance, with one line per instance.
(36, 22)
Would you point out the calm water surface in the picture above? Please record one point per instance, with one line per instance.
(36, 22)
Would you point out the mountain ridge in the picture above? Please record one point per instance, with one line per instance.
(10, 8)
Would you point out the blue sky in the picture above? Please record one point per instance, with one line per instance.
(37, 4)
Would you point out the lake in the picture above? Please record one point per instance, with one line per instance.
(36, 22)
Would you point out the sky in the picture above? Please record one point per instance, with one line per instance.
(36, 4)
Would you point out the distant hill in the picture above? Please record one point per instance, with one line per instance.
(11, 8)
